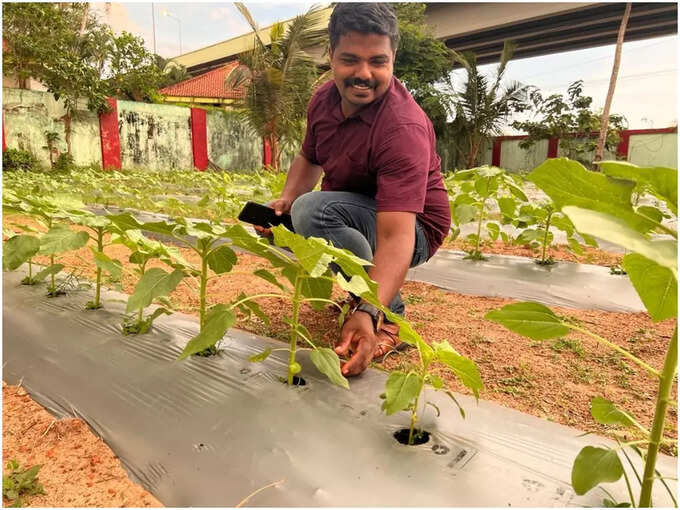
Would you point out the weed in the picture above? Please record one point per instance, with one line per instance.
(565, 344)
(413, 299)
(20, 482)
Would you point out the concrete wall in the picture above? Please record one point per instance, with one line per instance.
(654, 150)
(230, 143)
(515, 159)
(28, 114)
(153, 136)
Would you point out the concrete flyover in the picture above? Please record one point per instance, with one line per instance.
(538, 28)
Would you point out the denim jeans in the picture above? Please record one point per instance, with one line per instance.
(348, 220)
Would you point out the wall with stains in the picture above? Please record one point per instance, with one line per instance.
(153, 136)
(28, 114)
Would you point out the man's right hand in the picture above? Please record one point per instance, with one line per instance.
(280, 206)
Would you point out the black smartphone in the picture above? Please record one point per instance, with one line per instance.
(258, 214)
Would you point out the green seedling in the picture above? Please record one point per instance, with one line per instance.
(20, 482)
(475, 192)
(403, 389)
(538, 220)
(57, 240)
(599, 204)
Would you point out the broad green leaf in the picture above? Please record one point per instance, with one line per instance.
(494, 230)
(105, 263)
(562, 223)
(310, 253)
(507, 206)
(589, 240)
(575, 246)
(319, 288)
(18, 249)
(125, 221)
(616, 231)
(486, 186)
(221, 259)
(568, 183)
(217, 321)
(465, 213)
(606, 413)
(160, 227)
(400, 390)
(463, 367)
(256, 358)
(650, 212)
(268, 276)
(656, 285)
(530, 319)
(252, 307)
(48, 271)
(593, 466)
(241, 238)
(155, 283)
(328, 364)
(61, 238)
(663, 181)
(516, 191)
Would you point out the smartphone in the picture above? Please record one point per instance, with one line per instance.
(258, 214)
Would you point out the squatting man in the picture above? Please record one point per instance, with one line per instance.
(382, 195)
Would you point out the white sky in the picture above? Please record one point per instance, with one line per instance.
(646, 92)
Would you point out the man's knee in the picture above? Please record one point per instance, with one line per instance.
(304, 213)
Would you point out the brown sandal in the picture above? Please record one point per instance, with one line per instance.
(388, 341)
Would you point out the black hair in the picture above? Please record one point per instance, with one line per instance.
(366, 18)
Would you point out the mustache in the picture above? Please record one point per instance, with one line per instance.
(349, 82)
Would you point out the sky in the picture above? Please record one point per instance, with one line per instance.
(646, 91)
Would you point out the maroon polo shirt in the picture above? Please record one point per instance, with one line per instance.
(385, 151)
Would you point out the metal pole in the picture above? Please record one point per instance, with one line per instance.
(180, 36)
(153, 23)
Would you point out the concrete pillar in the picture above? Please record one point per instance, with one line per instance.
(110, 140)
(199, 138)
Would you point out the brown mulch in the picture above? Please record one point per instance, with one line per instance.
(554, 380)
(557, 252)
(78, 468)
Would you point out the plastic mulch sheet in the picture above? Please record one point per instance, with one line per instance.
(211, 431)
(580, 286)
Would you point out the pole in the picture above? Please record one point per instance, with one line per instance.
(153, 24)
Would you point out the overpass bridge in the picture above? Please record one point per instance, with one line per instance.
(538, 28)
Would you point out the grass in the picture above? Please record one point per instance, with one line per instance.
(565, 344)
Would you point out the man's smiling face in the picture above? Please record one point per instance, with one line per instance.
(362, 68)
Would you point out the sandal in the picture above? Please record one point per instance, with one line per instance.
(388, 342)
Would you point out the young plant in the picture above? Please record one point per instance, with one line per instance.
(599, 204)
(20, 482)
(538, 220)
(56, 241)
(477, 190)
(404, 388)
(308, 279)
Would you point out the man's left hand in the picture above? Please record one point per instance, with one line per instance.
(358, 337)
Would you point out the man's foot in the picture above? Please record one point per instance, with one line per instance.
(388, 341)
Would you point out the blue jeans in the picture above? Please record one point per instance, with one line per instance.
(348, 221)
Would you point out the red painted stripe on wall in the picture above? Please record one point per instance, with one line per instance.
(552, 147)
(266, 153)
(199, 138)
(110, 139)
(496, 152)
(624, 143)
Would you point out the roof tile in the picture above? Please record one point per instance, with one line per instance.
(210, 84)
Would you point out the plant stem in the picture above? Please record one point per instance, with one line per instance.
(54, 286)
(545, 236)
(100, 248)
(294, 331)
(618, 349)
(30, 269)
(479, 225)
(669, 367)
(204, 285)
(414, 414)
(256, 296)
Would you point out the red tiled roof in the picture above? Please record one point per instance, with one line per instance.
(210, 84)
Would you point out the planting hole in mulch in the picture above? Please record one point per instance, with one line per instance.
(419, 436)
(297, 381)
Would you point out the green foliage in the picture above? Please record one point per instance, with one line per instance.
(19, 249)
(280, 78)
(64, 162)
(602, 205)
(570, 119)
(20, 482)
(482, 105)
(17, 159)
(423, 64)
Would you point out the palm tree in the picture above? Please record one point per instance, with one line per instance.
(280, 78)
(482, 107)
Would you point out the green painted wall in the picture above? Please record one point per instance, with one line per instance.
(231, 145)
(654, 150)
(154, 136)
(29, 113)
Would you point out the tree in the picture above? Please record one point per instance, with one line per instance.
(612, 84)
(482, 106)
(280, 79)
(171, 72)
(77, 58)
(570, 120)
(424, 64)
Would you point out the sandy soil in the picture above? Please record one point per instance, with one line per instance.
(78, 468)
(554, 380)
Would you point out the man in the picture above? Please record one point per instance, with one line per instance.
(382, 194)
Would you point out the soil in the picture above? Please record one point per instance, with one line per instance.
(78, 468)
(554, 379)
